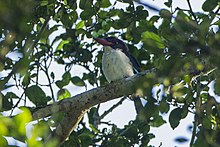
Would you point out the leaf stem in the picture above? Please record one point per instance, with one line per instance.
(191, 11)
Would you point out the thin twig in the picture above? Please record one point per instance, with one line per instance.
(112, 108)
(194, 130)
(49, 81)
(191, 11)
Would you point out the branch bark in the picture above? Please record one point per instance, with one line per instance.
(76, 106)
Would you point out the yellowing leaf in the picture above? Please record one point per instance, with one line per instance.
(22, 119)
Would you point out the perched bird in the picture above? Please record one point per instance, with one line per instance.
(118, 63)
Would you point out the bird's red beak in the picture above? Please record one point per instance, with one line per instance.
(103, 42)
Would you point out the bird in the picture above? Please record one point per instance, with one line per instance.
(118, 63)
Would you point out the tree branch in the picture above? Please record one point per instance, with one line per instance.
(197, 116)
(92, 97)
(76, 106)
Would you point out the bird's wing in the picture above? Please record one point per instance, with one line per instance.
(135, 64)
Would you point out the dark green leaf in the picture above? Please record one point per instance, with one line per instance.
(217, 86)
(74, 16)
(105, 3)
(26, 80)
(36, 95)
(86, 56)
(60, 84)
(209, 5)
(165, 14)
(157, 121)
(184, 112)
(52, 75)
(87, 14)
(175, 117)
(130, 132)
(11, 95)
(207, 122)
(91, 114)
(85, 4)
(168, 3)
(141, 13)
(66, 78)
(77, 81)
(164, 107)
(6, 103)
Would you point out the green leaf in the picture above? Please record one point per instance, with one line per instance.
(60, 84)
(165, 14)
(86, 56)
(105, 3)
(6, 104)
(22, 119)
(77, 81)
(85, 4)
(3, 141)
(164, 107)
(85, 15)
(63, 94)
(152, 39)
(11, 95)
(61, 44)
(157, 121)
(91, 114)
(130, 132)
(141, 13)
(66, 78)
(217, 86)
(80, 25)
(44, 2)
(207, 122)
(209, 5)
(52, 75)
(36, 95)
(74, 16)
(168, 3)
(175, 117)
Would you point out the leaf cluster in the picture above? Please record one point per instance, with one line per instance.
(181, 44)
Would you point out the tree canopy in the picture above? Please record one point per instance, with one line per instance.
(178, 50)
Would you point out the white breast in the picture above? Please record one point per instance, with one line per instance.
(116, 65)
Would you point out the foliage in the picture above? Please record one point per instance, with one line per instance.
(184, 48)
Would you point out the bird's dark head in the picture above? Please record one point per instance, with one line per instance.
(113, 42)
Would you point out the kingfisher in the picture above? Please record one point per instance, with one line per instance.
(118, 62)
